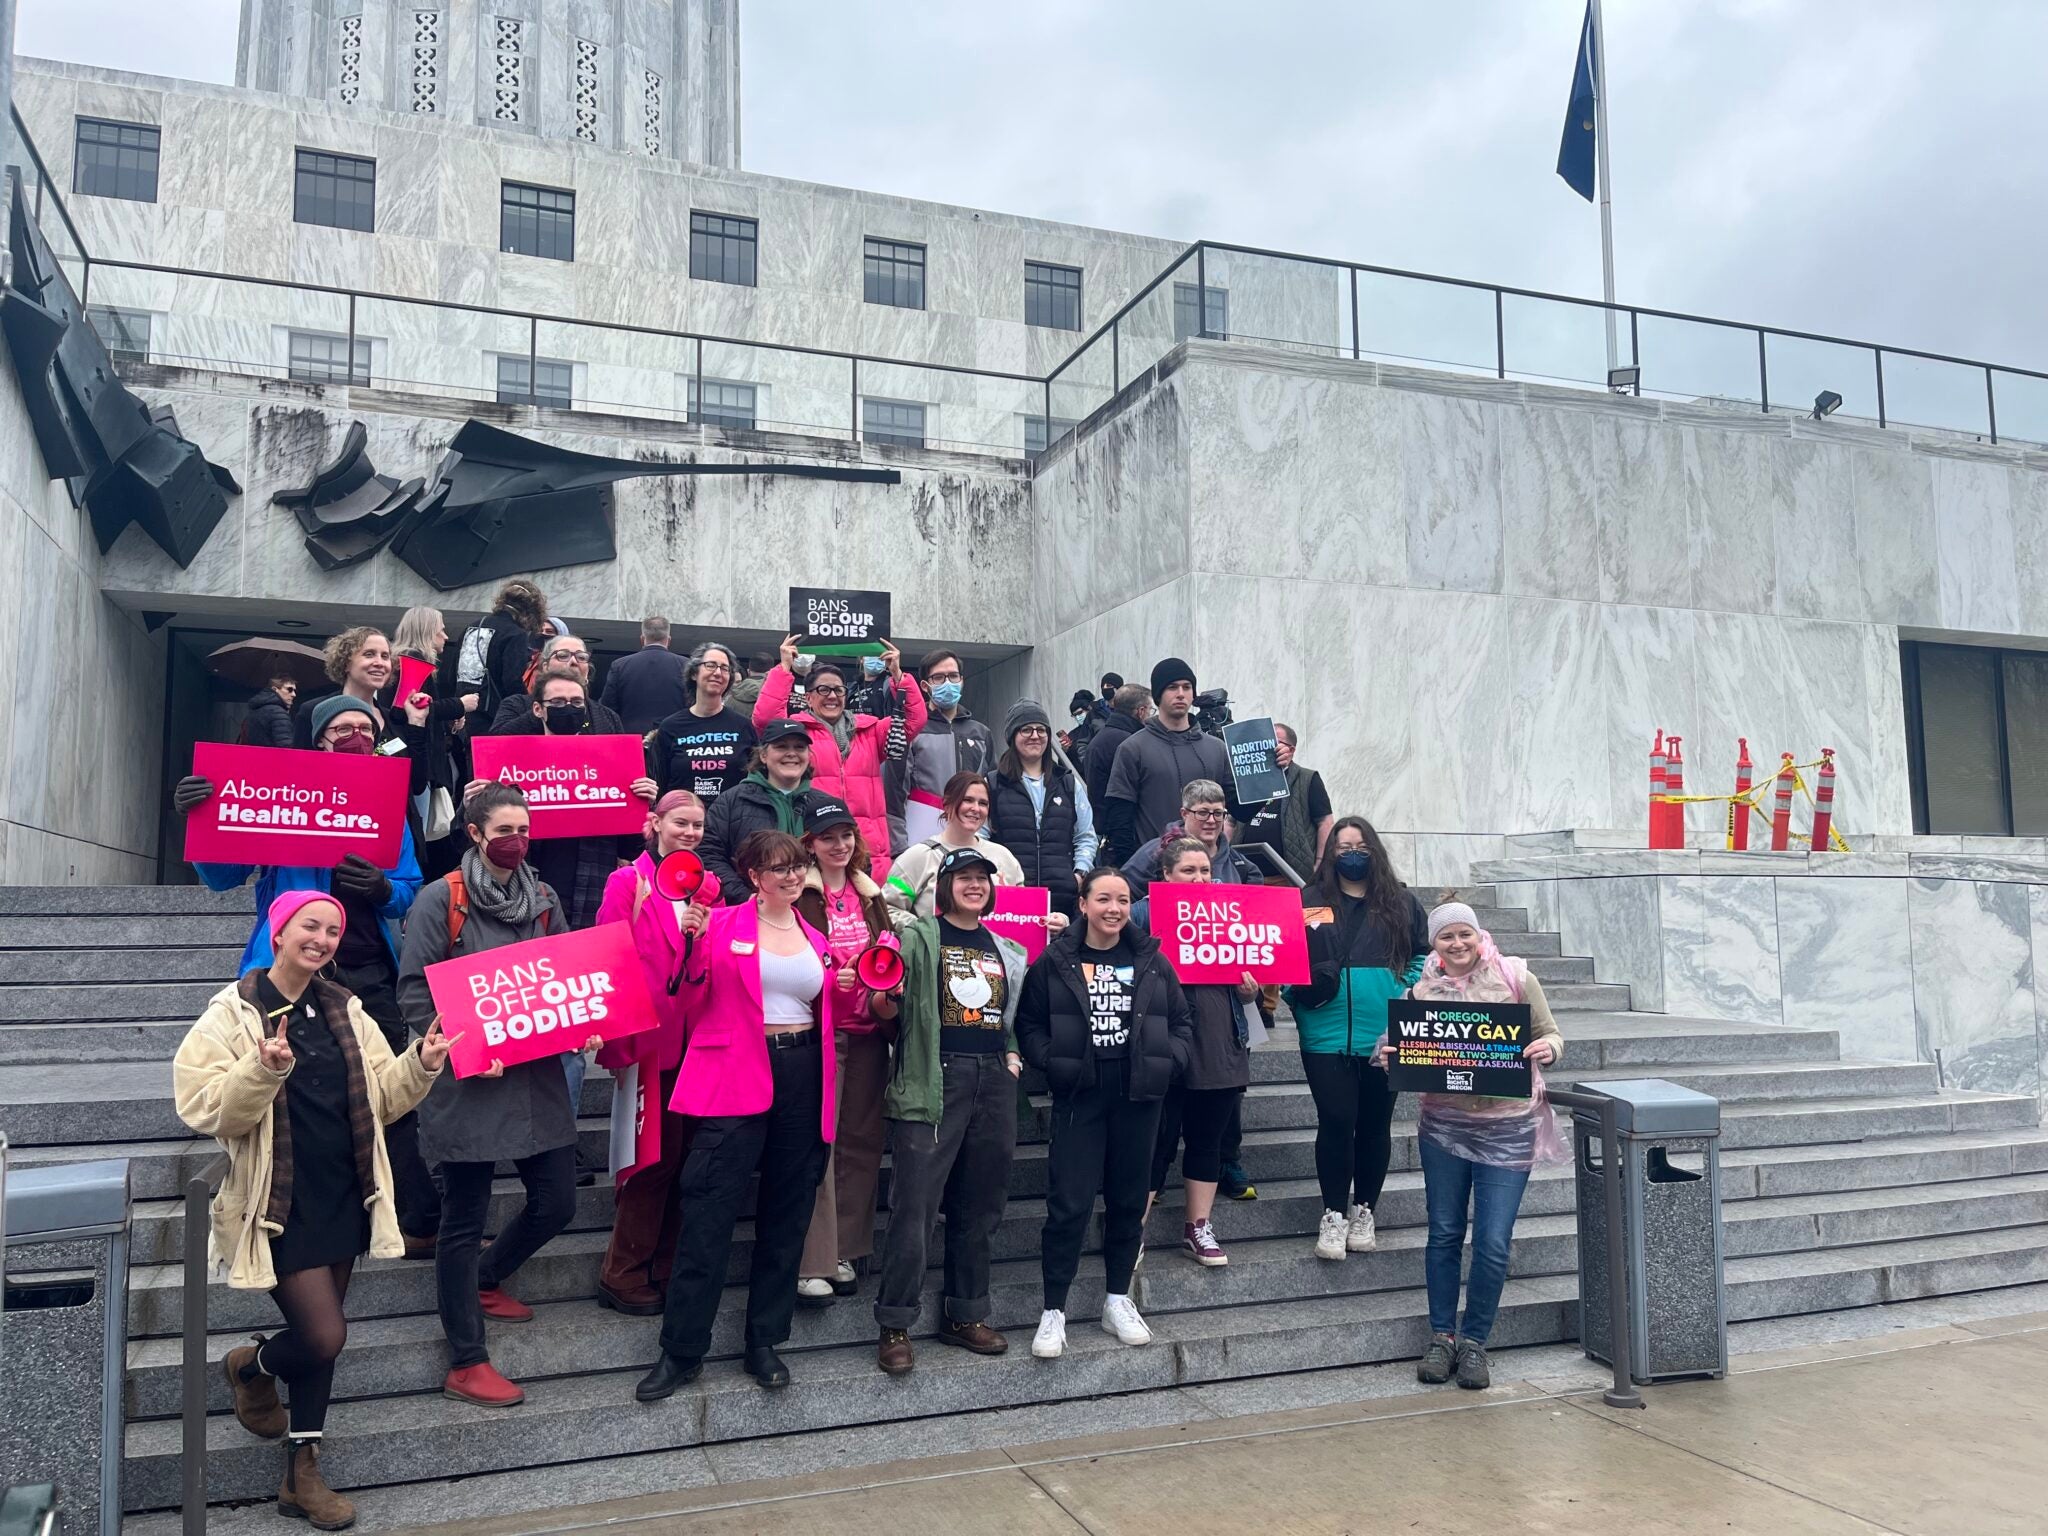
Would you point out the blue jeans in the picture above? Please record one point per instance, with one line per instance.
(1450, 1184)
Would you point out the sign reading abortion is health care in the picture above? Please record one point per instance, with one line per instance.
(1449, 1047)
(829, 621)
(280, 806)
(1255, 761)
(1213, 934)
(544, 997)
(575, 786)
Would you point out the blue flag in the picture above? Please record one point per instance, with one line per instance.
(1575, 154)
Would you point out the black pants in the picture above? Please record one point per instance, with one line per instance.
(1232, 1148)
(785, 1145)
(1199, 1117)
(960, 1167)
(461, 1269)
(418, 1200)
(1101, 1144)
(303, 1355)
(1354, 1127)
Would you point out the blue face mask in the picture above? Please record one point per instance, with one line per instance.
(873, 666)
(1354, 864)
(945, 695)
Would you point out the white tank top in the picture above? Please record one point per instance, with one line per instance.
(789, 985)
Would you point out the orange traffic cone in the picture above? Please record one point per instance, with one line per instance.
(1824, 800)
(1781, 808)
(1738, 813)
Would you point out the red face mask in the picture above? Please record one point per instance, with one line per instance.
(356, 744)
(508, 852)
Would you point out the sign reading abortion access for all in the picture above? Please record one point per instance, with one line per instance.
(831, 622)
(1255, 761)
(1213, 934)
(1447, 1047)
(576, 786)
(1019, 913)
(544, 997)
(279, 806)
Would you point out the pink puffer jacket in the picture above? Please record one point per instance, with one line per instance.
(856, 777)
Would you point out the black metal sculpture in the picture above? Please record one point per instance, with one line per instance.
(350, 511)
(121, 462)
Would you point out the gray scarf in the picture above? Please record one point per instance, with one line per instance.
(515, 903)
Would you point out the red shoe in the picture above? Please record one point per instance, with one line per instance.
(482, 1384)
(506, 1308)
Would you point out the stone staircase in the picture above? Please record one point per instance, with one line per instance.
(1846, 1183)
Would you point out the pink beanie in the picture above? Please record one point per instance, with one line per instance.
(286, 907)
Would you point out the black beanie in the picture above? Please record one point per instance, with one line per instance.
(1168, 672)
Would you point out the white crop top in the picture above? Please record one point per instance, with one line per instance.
(789, 985)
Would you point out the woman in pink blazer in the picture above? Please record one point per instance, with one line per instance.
(645, 1223)
(757, 1080)
(846, 748)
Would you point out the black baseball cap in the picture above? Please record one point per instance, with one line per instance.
(958, 859)
(784, 730)
(824, 812)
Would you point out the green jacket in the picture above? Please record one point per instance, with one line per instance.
(916, 1087)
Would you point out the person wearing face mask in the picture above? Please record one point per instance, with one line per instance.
(1151, 765)
(846, 749)
(952, 741)
(646, 1218)
(1367, 937)
(519, 1114)
(557, 652)
(374, 902)
(297, 1084)
(705, 746)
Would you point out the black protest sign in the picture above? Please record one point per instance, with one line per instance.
(1453, 1047)
(1255, 761)
(832, 621)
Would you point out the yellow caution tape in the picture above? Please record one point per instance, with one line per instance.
(1836, 842)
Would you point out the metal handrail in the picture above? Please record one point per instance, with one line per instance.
(199, 1191)
(1623, 1393)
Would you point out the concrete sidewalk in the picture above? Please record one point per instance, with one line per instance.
(1933, 1432)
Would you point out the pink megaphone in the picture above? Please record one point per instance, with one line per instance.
(681, 876)
(879, 968)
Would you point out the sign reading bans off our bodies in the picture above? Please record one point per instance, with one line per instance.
(1446, 1047)
(545, 997)
(1213, 934)
(829, 621)
(575, 786)
(280, 806)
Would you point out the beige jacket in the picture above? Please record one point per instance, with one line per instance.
(223, 1090)
(914, 876)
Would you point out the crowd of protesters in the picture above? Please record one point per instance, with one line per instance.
(842, 806)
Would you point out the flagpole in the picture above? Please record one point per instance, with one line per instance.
(1600, 123)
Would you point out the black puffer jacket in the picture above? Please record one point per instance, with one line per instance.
(1043, 844)
(269, 723)
(747, 807)
(1053, 1031)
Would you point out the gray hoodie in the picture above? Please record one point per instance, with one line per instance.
(1151, 768)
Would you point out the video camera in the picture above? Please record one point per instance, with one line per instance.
(1212, 711)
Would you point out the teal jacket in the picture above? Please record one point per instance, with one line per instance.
(1342, 1009)
(917, 1088)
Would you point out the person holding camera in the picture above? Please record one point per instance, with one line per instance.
(1144, 792)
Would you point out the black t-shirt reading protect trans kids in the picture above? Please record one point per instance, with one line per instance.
(1111, 978)
(704, 756)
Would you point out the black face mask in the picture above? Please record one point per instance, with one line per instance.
(566, 719)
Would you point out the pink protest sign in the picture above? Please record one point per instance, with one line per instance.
(278, 806)
(1213, 934)
(1019, 913)
(545, 997)
(575, 786)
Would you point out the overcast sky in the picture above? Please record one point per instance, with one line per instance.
(1870, 168)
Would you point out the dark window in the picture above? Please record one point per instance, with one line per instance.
(1036, 439)
(336, 190)
(725, 404)
(1218, 323)
(115, 160)
(554, 384)
(722, 248)
(894, 273)
(1977, 739)
(322, 357)
(125, 331)
(537, 221)
(1052, 296)
(892, 421)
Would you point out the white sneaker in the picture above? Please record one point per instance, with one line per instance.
(844, 1274)
(1120, 1317)
(814, 1292)
(1361, 1238)
(1330, 1236)
(1050, 1342)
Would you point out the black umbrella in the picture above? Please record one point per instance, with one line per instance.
(257, 661)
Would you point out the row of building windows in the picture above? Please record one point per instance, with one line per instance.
(340, 192)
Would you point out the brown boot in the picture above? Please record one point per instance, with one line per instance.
(979, 1337)
(894, 1354)
(256, 1404)
(305, 1494)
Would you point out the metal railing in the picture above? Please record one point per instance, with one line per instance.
(193, 1374)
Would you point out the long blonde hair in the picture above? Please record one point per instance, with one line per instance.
(417, 632)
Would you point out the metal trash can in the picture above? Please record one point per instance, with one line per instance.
(64, 1337)
(1671, 1230)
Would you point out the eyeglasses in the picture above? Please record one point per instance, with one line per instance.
(783, 871)
(713, 666)
(561, 655)
(943, 677)
(827, 692)
(344, 732)
(1206, 812)
(1034, 730)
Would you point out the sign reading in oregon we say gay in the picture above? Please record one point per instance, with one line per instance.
(1213, 934)
(544, 997)
(575, 786)
(273, 805)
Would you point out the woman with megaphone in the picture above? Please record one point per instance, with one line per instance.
(842, 901)
(646, 894)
